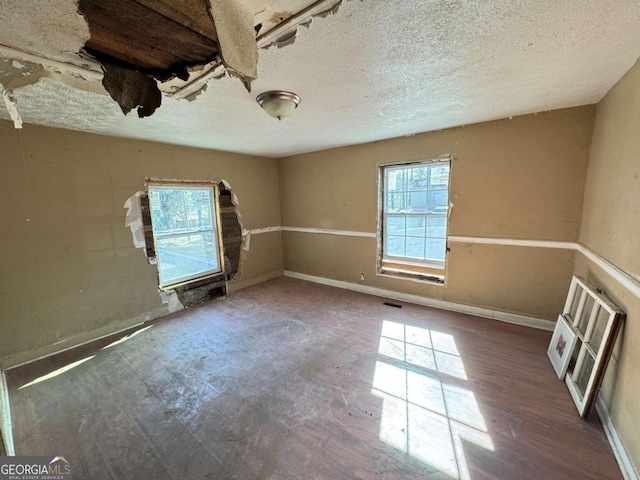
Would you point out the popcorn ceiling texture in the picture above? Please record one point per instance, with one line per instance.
(371, 71)
(57, 105)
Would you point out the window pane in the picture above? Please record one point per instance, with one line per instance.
(583, 322)
(417, 201)
(395, 225)
(575, 303)
(186, 256)
(396, 202)
(396, 180)
(418, 178)
(437, 201)
(602, 319)
(439, 176)
(198, 204)
(584, 374)
(416, 225)
(415, 247)
(168, 212)
(436, 226)
(394, 246)
(436, 248)
(184, 228)
(181, 209)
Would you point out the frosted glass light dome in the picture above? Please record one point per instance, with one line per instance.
(278, 103)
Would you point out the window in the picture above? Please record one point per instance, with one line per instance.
(583, 341)
(185, 232)
(413, 224)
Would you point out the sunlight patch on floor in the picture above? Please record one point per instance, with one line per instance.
(55, 373)
(126, 337)
(423, 415)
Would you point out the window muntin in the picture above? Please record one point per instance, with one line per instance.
(415, 200)
(184, 224)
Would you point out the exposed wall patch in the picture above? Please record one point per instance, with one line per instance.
(246, 235)
(170, 298)
(256, 231)
(133, 219)
(202, 291)
(10, 104)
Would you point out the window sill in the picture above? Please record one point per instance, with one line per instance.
(398, 274)
(194, 282)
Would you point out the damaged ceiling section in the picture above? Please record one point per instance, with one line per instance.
(141, 50)
(140, 41)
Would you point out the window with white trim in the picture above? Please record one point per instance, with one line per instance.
(184, 221)
(414, 200)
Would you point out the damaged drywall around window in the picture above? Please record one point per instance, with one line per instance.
(138, 220)
(231, 224)
(171, 300)
(236, 239)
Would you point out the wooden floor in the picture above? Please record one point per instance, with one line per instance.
(292, 380)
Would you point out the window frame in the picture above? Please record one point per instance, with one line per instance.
(216, 230)
(429, 270)
(587, 362)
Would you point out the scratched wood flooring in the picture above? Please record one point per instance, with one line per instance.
(292, 380)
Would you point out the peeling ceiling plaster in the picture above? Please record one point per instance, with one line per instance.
(373, 70)
(52, 28)
(271, 13)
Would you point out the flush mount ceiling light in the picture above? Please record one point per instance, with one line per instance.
(278, 103)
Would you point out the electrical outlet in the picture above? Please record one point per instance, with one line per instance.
(361, 275)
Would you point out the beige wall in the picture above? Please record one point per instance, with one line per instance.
(68, 263)
(611, 228)
(521, 178)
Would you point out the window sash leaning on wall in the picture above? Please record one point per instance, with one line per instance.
(208, 233)
(427, 269)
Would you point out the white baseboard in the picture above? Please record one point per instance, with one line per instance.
(5, 416)
(23, 358)
(626, 466)
(430, 302)
(234, 285)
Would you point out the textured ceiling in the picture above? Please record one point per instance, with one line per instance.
(374, 70)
